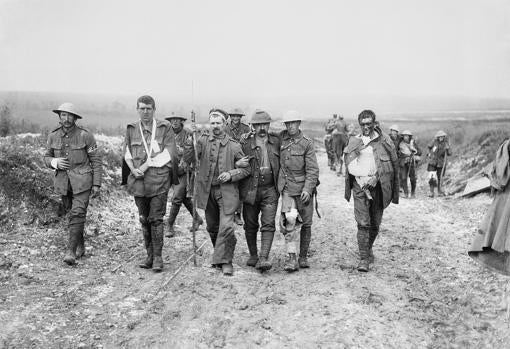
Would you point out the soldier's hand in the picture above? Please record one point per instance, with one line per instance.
(137, 173)
(372, 182)
(94, 192)
(244, 137)
(224, 177)
(63, 164)
(243, 162)
(305, 197)
(144, 167)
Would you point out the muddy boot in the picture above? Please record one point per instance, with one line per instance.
(147, 238)
(413, 189)
(431, 194)
(157, 246)
(196, 222)
(70, 257)
(304, 244)
(364, 246)
(373, 235)
(227, 269)
(251, 240)
(237, 218)
(174, 211)
(80, 249)
(265, 246)
(291, 264)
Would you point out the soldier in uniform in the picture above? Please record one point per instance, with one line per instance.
(151, 156)
(439, 149)
(340, 140)
(235, 129)
(259, 192)
(372, 175)
(395, 135)
(216, 186)
(72, 152)
(180, 134)
(328, 141)
(408, 155)
(297, 181)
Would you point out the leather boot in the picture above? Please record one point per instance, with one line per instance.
(196, 222)
(80, 249)
(405, 188)
(147, 238)
(363, 245)
(70, 257)
(304, 244)
(291, 264)
(265, 246)
(251, 240)
(413, 189)
(431, 195)
(157, 246)
(373, 235)
(227, 269)
(174, 211)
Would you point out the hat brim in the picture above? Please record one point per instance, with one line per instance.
(260, 122)
(57, 111)
(241, 115)
(176, 117)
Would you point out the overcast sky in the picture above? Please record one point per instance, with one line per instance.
(254, 50)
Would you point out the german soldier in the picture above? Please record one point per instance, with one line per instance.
(439, 150)
(216, 186)
(259, 192)
(180, 135)
(235, 129)
(408, 155)
(151, 156)
(372, 166)
(297, 181)
(72, 152)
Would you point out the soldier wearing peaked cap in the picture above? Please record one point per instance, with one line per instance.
(180, 134)
(259, 192)
(150, 153)
(235, 129)
(72, 152)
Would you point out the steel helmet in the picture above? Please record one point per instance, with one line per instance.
(176, 116)
(292, 115)
(260, 117)
(406, 133)
(236, 111)
(440, 133)
(68, 108)
(394, 128)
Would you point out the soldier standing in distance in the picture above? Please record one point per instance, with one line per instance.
(408, 155)
(259, 192)
(395, 135)
(340, 140)
(235, 129)
(216, 186)
(297, 182)
(328, 141)
(151, 156)
(180, 134)
(72, 152)
(439, 149)
(372, 174)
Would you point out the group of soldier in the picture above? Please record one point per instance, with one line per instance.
(228, 170)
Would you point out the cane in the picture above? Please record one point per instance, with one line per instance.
(443, 171)
(194, 201)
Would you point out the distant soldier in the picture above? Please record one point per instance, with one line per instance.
(395, 135)
(340, 140)
(150, 153)
(331, 124)
(297, 182)
(216, 186)
(409, 155)
(328, 145)
(259, 192)
(439, 150)
(372, 166)
(180, 134)
(72, 152)
(235, 129)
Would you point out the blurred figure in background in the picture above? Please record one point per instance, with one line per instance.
(395, 135)
(72, 152)
(439, 150)
(409, 155)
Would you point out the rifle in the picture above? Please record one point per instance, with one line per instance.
(194, 201)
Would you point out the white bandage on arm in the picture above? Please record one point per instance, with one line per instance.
(161, 159)
(54, 163)
(128, 156)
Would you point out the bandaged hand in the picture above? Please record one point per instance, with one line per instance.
(372, 182)
(63, 163)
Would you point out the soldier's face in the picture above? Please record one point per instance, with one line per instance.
(293, 127)
(67, 119)
(176, 124)
(145, 112)
(393, 134)
(367, 126)
(236, 119)
(261, 129)
(217, 125)
(407, 139)
(440, 139)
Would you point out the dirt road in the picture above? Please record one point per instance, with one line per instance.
(422, 292)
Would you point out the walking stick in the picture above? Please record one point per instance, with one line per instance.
(442, 172)
(194, 200)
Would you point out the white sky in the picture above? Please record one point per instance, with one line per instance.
(257, 50)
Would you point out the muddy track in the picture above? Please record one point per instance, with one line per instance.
(422, 292)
